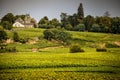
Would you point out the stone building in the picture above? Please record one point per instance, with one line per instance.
(28, 22)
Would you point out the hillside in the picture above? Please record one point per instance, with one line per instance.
(54, 60)
(84, 39)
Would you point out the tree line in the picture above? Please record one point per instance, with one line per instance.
(75, 22)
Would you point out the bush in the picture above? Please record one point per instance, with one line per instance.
(4, 48)
(11, 49)
(101, 49)
(15, 37)
(76, 48)
(7, 25)
(48, 34)
(23, 40)
(58, 35)
(3, 35)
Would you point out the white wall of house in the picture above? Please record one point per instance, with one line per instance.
(17, 24)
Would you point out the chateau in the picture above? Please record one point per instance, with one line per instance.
(28, 22)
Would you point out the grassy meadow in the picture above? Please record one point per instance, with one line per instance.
(54, 60)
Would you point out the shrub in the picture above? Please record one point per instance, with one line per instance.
(101, 49)
(76, 48)
(3, 35)
(48, 34)
(15, 37)
(11, 49)
(7, 25)
(4, 48)
(58, 35)
(23, 40)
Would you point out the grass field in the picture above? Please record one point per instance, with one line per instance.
(55, 62)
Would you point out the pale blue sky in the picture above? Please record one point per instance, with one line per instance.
(53, 8)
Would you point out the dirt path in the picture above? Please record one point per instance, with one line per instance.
(52, 47)
(117, 43)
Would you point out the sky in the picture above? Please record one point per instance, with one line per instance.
(53, 8)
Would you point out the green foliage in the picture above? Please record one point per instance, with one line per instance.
(101, 49)
(95, 28)
(7, 25)
(3, 35)
(56, 35)
(23, 40)
(89, 21)
(116, 25)
(4, 48)
(44, 22)
(54, 22)
(45, 26)
(20, 16)
(80, 13)
(1, 28)
(75, 48)
(11, 49)
(9, 17)
(112, 45)
(68, 27)
(79, 27)
(73, 20)
(16, 37)
(48, 34)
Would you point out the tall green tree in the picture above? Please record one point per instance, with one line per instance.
(73, 20)
(64, 20)
(80, 13)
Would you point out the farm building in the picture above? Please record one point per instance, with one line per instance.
(28, 22)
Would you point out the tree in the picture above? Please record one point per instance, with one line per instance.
(48, 34)
(54, 22)
(58, 35)
(116, 25)
(3, 34)
(89, 21)
(8, 17)
(20, 16)
(16, 37)
(79, 27)
(80, 14)
(73, 20)
(68, 27)
(95, 28)
(104, 23)
(44, 22)
(6, 25)
(64, 20)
